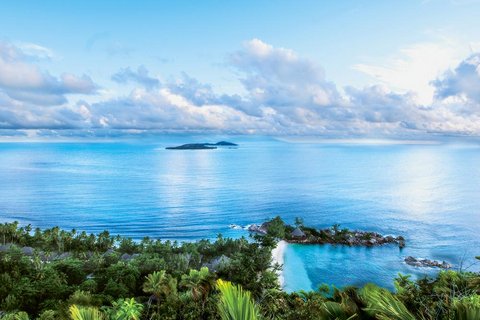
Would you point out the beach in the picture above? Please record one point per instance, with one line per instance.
(278, 257)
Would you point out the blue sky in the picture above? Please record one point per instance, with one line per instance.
(366, 69)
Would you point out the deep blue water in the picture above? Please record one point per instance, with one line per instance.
(428, 193)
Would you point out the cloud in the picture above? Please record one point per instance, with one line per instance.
(22, 80)
(165, 110)
(284, 94)
(462, 82)
(35, 51)
(414, 67)
(140, 76)
(277, 78)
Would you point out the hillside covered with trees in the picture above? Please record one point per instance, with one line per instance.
(58, 274)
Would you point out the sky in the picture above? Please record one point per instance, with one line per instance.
(371, 69)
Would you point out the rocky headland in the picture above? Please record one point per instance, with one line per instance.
(334, 235)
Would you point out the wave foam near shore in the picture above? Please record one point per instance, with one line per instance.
(278, 257)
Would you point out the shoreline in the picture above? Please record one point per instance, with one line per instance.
(278, 254)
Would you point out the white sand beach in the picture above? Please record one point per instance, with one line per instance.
(278, 257)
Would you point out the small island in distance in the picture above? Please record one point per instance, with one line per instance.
(203, 146)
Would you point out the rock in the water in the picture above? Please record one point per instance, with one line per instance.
(418, 262)
(401, 241)
(258, 229)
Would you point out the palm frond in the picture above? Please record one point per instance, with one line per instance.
(383, 305)
(85, 313)
(336, 311)
(467, 308)
(235, 303)
(15, 316)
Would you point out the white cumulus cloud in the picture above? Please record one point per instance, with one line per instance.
(284, 94)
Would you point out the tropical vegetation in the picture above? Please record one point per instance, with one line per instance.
(58, 274)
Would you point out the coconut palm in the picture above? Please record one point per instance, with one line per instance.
(199, 282)
(381, 303)
(161, 285)
(85, 313)
(127, 309)
(235, 303)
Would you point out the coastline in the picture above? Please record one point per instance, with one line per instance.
(278, 257)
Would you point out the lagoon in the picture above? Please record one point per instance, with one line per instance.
(429, 193)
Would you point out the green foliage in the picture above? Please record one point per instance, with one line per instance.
(434, 298)
(336, 311)
(87, 274)
(298, 222)
(276, 228)
(383, 305)
(163, 287)
(80, 298)
(85, 313)
(127, 309)
(198, 282)
(467, 308)
(72, 269)
(15, 316)
(48, 315)
(160, 284)
(235, 303)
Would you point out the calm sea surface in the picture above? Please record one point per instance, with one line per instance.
(428, 193)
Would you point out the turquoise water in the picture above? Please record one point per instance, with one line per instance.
(428, 193)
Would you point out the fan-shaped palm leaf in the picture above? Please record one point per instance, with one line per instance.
(384, 305)
(235, 303)
(336, 311)
(85, 313)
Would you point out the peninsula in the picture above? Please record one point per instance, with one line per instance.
(299, 233)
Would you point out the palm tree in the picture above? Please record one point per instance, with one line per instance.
(85, 313)
(127, 309)
(381, 303)
(235, 303)
(199, 282)
(161, 285)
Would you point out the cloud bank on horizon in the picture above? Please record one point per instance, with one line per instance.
(281, 93)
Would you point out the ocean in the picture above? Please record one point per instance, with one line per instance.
(429, 193)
